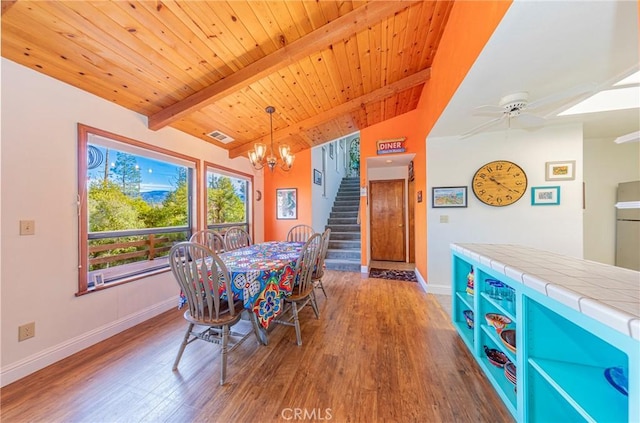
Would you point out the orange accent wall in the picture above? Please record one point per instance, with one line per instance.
(401, 126)
(468, 29)
(298, 177)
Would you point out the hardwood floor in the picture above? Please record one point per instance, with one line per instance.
(373, 356)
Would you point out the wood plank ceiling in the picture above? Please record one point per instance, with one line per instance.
(330, 68)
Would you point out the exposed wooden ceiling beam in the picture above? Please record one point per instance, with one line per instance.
(376, 95)
(6, 5)
(336, 30)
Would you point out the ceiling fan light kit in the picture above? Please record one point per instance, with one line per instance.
(514, 104)
(257, 154)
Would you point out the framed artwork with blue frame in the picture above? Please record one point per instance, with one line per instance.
(545, 196)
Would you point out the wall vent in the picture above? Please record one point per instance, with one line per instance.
(221, 137)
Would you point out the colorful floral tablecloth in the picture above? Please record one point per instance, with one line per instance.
(261, 275)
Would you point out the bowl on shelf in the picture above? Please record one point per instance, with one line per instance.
(510, 372)
(617, 377)
(496, 357)
(497, 321)
(468, 316)
(508, 338)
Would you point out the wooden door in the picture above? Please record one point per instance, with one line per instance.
(387, 220)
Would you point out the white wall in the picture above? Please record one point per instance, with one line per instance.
(322, 204)
(605, 165)
(452, 162)
(39, 276)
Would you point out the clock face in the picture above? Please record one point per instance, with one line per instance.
(499, 183)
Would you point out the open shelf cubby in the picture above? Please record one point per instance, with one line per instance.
(569, 362)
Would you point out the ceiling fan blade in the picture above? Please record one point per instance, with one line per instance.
(484, 126)
(562, 97)
(528, 120)
(488, 110)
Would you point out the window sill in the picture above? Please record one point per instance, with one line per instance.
(126, 273)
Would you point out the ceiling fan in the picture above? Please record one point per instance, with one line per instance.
(517, 111)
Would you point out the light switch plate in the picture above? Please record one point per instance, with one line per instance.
(444, 218)
(27, 227)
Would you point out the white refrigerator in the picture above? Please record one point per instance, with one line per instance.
(628, 225)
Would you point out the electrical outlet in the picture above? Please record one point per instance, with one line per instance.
(26, 331)
(27, 227)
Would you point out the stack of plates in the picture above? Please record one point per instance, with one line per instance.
(510, 372)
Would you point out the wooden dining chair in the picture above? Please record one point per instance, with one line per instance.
(303, 291)
(235, 238)
(201, 275)
(318, 272)
(300, 233)
(209, 238)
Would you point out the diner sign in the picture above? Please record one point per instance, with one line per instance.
(395, 145)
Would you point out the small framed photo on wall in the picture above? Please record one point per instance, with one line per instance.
(444, 197)
(545, 196)
(317, 177)
(560, 171)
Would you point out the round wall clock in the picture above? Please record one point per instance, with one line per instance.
(499, 183)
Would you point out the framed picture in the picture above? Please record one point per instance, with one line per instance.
(99, 279)
(560, 171)
(317, 177)
(286, 203)
(545, 196)
(449, 197)
(331, 152)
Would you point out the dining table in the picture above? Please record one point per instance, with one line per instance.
(261, 276)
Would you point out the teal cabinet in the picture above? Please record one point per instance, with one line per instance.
(562, 356)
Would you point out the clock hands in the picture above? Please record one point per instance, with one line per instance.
(492, 179)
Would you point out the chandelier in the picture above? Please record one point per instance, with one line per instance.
(257, 155)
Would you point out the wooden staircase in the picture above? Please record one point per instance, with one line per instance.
(344, 244)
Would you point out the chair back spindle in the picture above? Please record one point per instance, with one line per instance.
(235, 238)
(300, 233)
(306, 264)
(209, 238)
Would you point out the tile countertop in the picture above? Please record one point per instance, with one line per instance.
(608, 294)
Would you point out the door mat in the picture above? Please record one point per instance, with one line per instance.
(398, 275)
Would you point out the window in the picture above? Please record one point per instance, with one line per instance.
(135, 202)
(228, 198)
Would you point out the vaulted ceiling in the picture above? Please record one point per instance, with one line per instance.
(330, 68)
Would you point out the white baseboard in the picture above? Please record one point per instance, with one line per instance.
(44, 358)
(421, 280)
(432, 288)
